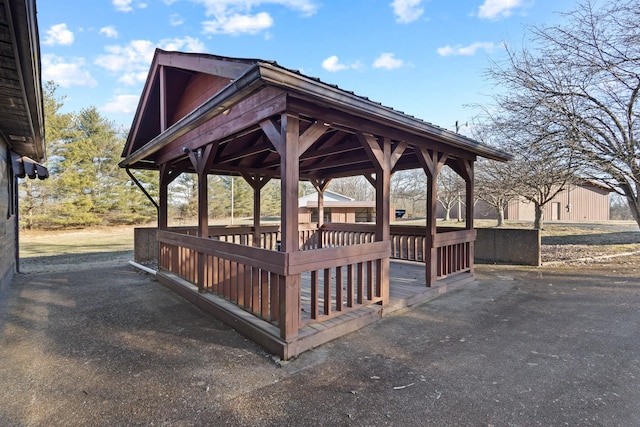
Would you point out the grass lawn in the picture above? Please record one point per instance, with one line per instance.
(557, 238)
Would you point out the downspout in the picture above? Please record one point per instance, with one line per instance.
(141, 187)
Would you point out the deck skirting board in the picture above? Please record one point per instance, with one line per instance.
(312, 335)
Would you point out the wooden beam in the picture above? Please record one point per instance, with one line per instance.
(248, 152)
(343, 148)
(398, 150)
(311, 135)
(366, 126)
(270, 129)
(163, 98)
(383, 218)
(244, 115)
(320, 185)
(372, 148)
(163, 197)
(371, 179)
(289, 292)
(432, 164)
(256, 182)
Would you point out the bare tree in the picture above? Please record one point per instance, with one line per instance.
(409, 191)
(451, 191)
(495, 184)
(581, 79)
(543, 164)
(356, 187)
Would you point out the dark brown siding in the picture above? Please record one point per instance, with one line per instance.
(200, 88)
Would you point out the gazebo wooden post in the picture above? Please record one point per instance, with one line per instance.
(285, 140)
(163, 216)
(383, 218)
(379, 151)
(469, 178)
(432, 163)
(290, 176)
(201, 160)
(257, 183)
(320, 186)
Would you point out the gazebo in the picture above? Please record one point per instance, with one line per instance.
(294, 286)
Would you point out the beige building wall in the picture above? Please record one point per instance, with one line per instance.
(583, 202)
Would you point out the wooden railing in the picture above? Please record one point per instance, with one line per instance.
(247, 276)
(454, 252)
(454, 245)
(238, 234)
(338, 268)
(329, 281)
(339, 279)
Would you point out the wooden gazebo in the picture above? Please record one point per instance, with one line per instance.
(293, 286)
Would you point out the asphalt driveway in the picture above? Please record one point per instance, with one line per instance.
(108, 345)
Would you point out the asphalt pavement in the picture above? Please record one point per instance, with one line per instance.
(108, 345)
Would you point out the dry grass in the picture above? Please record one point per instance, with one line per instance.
(90, 240)
(560, 241)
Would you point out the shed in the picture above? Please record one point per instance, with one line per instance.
(337, 208)
(291, 287)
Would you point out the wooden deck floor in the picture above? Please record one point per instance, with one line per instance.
(407, 288)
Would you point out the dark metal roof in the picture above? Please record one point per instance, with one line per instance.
(21, 103)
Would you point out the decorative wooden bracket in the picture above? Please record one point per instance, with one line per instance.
(398, 150)
(271, 130)
(306, 140)
(168, 174)
(202, 159)
(311, 135)
(256, 181)
(372, 148)
(433, 162)
(320, 184)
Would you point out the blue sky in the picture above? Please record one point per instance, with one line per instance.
(423, 57)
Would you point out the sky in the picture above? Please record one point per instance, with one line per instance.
(426, 58)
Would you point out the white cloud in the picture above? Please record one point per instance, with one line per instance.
(228, 7)
(239, 24)
(122, 5)
(238, 17)
(133, 59)
(109, 31)
(59, 35)
(332, 64)
(495, 9)
(127, 5)
(175, 20)
(66, 73)
(407, 10)
(387, 61)
(186, 43)
(465, 50)
(121, 104)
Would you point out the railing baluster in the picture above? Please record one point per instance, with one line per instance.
(339, 295)
(314, 294)
(327, 292)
